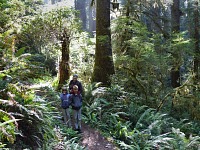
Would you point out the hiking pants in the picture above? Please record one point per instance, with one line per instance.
(67, 118)
(77, 119)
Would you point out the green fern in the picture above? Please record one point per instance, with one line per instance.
(8, 126)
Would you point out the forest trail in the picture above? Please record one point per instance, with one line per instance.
(93, 140)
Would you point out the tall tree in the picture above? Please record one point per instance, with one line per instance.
(196, 37)
(104, 66)
(80, 5)
(91, 17)
(175, 17)
(67, 24)
(59, 26)
(64, 67)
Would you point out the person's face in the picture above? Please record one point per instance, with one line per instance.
(64, 91)
(74, 78)
(75, 90)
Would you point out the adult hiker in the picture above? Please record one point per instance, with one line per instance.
(76, 102)
(73, 82)
(65, 103)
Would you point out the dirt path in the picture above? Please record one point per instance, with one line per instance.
(93, 140)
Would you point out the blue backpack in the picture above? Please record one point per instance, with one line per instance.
(65, 101)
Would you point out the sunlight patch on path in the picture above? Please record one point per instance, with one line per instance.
(40, 85)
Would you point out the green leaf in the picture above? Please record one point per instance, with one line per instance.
(9, 121)
(20, 51)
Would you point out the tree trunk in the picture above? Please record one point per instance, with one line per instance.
(53, 1)
(80, 5)
(2, 64)
(128, 8)
(64, 68)
(92, 21)
(196, 37)
(175, 16)
(104, 66)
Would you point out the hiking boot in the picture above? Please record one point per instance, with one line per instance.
(79, 130)
(76, 129)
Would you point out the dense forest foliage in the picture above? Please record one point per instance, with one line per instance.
(138, 60)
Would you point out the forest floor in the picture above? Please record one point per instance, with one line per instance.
(90, 139)
(93, 140)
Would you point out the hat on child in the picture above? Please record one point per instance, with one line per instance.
(64, 88)
(75, 76)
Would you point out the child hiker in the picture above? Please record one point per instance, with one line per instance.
(76, 103)
(65, 103)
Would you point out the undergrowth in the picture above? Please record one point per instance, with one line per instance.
(118, 114)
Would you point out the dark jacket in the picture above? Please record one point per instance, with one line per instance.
(65, 100)
(76, 101)
(78, 83)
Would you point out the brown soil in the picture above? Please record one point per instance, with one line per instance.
(93, 140)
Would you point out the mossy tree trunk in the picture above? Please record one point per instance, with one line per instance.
(64, 68)
(104, 66)
(196, 37)
(175, 16)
